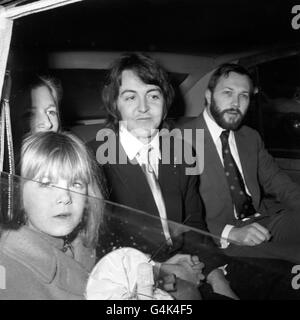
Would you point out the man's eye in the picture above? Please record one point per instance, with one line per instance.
(130, 98)
(245, 95)
(228, 93)
(154, 97)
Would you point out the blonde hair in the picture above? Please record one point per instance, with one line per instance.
(63, 155)
(55, 88)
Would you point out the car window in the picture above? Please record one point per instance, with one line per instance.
(279, 106)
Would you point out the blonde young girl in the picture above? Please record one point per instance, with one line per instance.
(50, 253)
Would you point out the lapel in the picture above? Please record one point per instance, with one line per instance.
(246, 157)
(133, 182)
(213, 168)
(169, 181)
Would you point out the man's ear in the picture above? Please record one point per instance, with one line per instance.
(207, 96)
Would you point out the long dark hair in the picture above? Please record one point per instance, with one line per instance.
(147, 69)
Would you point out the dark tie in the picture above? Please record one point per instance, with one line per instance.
(241, 200)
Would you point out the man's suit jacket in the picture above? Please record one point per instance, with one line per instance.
(127, 185)
(262, 175)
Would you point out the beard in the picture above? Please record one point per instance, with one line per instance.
(219, 116)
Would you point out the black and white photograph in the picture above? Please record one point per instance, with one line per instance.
(150, 150)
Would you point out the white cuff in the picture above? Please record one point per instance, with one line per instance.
(223, 269)
(224, 236)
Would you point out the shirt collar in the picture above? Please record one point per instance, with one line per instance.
(133, 146)
(214, 129)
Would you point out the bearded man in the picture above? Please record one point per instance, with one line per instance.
(239, 174)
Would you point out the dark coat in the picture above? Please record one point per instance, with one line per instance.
(262, 175)
(128, 186)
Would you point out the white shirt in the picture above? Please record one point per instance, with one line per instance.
(134, 148)
(215, 131)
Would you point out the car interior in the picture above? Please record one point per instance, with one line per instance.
(82, 74)
(72, 44)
